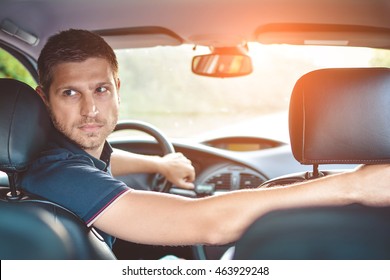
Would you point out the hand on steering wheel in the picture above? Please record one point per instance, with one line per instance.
(159, 182)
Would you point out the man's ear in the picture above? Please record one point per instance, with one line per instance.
(42, 94)
(118, 86)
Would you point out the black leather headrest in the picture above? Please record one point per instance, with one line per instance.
(24, 125)
(341, 116)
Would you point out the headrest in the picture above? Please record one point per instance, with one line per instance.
(24, 125)
(341, 116)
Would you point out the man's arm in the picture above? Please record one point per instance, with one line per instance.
(156, 218)
(175, 167)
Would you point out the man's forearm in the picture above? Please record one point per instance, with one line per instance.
(175, 167)
(123, 163)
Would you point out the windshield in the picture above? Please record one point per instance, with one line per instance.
(157, 86)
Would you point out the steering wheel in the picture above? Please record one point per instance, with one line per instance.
(159, 182)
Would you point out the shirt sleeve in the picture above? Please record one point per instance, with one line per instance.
(73, 182)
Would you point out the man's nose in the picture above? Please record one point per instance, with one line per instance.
(88, 107)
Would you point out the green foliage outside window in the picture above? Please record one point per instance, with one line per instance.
(10, 67)
(381, 58)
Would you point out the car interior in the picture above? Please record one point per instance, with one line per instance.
(337, 119)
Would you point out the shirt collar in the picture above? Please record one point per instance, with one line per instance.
(60, 140)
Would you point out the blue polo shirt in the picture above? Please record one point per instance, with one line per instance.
(67, 175)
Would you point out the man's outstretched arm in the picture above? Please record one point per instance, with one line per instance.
(156, 218)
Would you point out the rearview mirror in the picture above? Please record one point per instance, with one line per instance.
(222, 65)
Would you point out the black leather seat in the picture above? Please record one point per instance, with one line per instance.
(337, 116)
(31, 227)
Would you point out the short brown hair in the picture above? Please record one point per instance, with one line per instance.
(72, 45)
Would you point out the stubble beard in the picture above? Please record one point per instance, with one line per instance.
(86, 141)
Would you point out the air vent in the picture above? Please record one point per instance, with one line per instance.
(248, 181)
(221, 181)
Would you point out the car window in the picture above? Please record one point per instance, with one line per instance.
(11, 67)
(157, 86)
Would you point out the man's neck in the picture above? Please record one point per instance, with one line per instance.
(96, 153)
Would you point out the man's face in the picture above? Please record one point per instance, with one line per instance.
(83, 102)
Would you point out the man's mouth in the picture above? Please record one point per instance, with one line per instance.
(92, 127)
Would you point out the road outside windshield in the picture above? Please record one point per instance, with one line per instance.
(157, 86)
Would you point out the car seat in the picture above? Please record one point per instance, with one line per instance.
(336, 116)
(32, 227)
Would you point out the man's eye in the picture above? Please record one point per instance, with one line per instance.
(101, 89)
(69, 92)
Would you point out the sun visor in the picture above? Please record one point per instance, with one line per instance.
(140, 37)
(324, 34)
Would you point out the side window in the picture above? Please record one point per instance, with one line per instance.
(12, 68)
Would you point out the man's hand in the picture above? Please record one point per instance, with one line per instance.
(178, 170)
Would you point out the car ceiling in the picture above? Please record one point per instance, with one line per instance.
(135, 23)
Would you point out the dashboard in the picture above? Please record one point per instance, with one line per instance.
(221, 165)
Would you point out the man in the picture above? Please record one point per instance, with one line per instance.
(80, 86)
